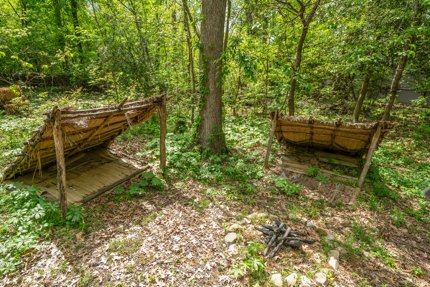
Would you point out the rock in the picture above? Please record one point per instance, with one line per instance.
(257, 215)
(291, 279)
(276, 279)
(305, 281)
(321, 278)
(232, 249)
(245, 221)
(311, 224)
(230, 237)
(330, 237)
(333, 262)
(234, 227)
(334, 253)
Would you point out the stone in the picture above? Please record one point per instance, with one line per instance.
(291, 279)
(321, 278)
(333, 262)
(230, 237)
(330, 237)
(276, 279)
(305, 281)
(311, 224)
(232, 249)
(334, 253)
(257, 215)
(234, 227)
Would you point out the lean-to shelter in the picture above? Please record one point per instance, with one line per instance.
(77, 141)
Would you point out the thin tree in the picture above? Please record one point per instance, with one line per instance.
(305, 20)
(210, 130)
(418, 12)
(361, 97)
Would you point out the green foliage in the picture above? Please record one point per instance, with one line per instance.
(252, 265)
(312, 171)
(26, 217)
(286, 187)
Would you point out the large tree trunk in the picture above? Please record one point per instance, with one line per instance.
(361, 97)
(210, 133)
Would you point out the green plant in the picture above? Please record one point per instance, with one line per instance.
(27, 216)
(418, 271)
(286, 187)
(322, 178)
(398, 217)
(312, 171)
(252, 265)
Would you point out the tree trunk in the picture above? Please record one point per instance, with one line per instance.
(361, 98)
(210, 133)
(74, 6)
(190, 60)
(59, 22)
(418, 13)
(296, 66)
(395, 86)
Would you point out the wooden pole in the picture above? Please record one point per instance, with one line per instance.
(369, 155)
(61, 163)
(269, 144)
(163, 117)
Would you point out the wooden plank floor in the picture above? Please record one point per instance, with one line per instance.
(87, 175)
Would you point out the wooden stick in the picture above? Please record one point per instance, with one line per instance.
(61, 164)
(107, 113)
(281, 242)
(269, 144)
(369, 155)
(101, 126)
(162, 113)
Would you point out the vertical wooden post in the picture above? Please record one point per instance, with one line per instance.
(269, 144)
(369, 155)
(163, 117)
(61, 164)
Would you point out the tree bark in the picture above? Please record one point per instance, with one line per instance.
(210, 132)
(361, 97)
(296, 66)
(74, 6)
(418, 13)
(59, 22)
(395, 86)
(190, 59)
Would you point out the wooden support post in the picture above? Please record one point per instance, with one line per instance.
(61, 163)
(369, 155)
(163, 117)
(269, 144)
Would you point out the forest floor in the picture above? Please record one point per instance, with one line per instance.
(175, 236)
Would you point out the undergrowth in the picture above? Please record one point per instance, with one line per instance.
(26, 218)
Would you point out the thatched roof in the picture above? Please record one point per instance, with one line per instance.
(352, 138)
(82, 130)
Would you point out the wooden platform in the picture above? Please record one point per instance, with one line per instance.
(89, 174)
(299, 159)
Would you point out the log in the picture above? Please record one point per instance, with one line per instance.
(61, 164)
(106, 113)
(281, 242)
(369, 155)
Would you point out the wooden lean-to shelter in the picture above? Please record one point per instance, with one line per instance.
(77, 141)
(327, 141)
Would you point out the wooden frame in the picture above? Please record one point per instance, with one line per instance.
(67, 132)
(300, 168)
